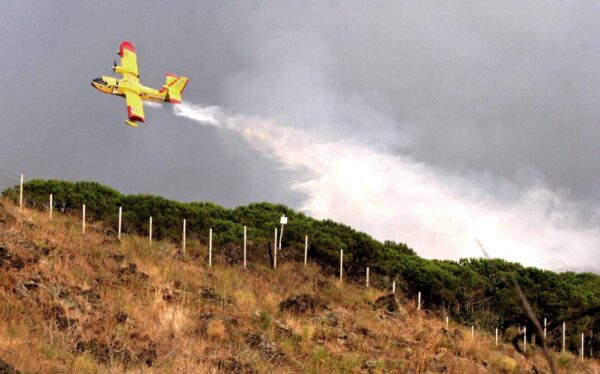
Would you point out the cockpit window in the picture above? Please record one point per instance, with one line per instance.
(100, 81)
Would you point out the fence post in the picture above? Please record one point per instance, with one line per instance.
(447, 322)
(280, 236)
(419, 301)
(393, 287)
(563, 336)
(472, 331)
(275, 250)
(120, 219)
(545, 326)
(367, 277)
(209, 247)
(245, 237)
(183, 244)
(51, 205)
(341, 265)
(582, 345)
(305, 249)
(525, 339)
(150, 230)
(83, 220)
(21, 194)
(496, 336)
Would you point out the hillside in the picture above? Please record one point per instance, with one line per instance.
(475, 292)
(85, 303)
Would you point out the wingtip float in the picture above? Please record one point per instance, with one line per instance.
(132, 90)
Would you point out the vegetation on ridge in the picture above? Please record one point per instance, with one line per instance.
(471, 291)
(74, 302)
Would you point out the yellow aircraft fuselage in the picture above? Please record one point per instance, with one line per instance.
(132, 90)
(116, 86)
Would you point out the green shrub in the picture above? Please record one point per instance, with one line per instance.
(473, 291)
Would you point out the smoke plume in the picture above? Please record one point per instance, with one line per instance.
(402, 199)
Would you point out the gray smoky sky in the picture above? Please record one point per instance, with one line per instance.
(503, 94)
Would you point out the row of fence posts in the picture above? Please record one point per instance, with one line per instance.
(277, 245)
(524, 331)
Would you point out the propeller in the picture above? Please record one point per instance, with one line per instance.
(114, 65)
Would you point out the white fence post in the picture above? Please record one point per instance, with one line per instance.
(280, 236)
(341, 265)
(275, 250)
(525, 339)
(83, 220)
(245, 237)
(472, 331)
(496, 336)
(564, 335)
(209, 247)
(150, 230)
(582, 345)
(183, 240)
(120, 220)
(393, 287)
(447, 322)
(51, 205)
(545, 326)
(21, 194)
(305, 249)
(419, 301)
(367, 277)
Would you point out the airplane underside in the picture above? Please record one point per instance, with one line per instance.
(133, 91)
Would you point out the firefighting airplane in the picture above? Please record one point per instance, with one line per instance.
(131, 88)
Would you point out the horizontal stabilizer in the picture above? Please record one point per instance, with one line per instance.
(174, 86)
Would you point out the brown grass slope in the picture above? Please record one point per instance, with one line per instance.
(75, 303)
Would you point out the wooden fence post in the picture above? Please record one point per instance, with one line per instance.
(210, 247)
(51, 205)
(83, 220)
(367, 277)
(245, 237)
(564, 335)
(305, 249)
(341, 265)
(393, 287)
(120, 220)
(525, 339)
(496, 336)
(280, 237)
(582, 345)
(545, 326)
(275, 250)
(21, 194)
(419, 301)
(183, 240)
(150, 230)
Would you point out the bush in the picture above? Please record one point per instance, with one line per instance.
(473, 291)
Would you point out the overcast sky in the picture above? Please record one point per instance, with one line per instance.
(493, 105)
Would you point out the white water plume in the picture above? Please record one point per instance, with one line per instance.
(398, 198)
(153, 104)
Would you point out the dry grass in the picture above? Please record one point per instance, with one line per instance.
(165, 314)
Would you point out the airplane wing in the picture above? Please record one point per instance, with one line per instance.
(135, 108)
(129, 66)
